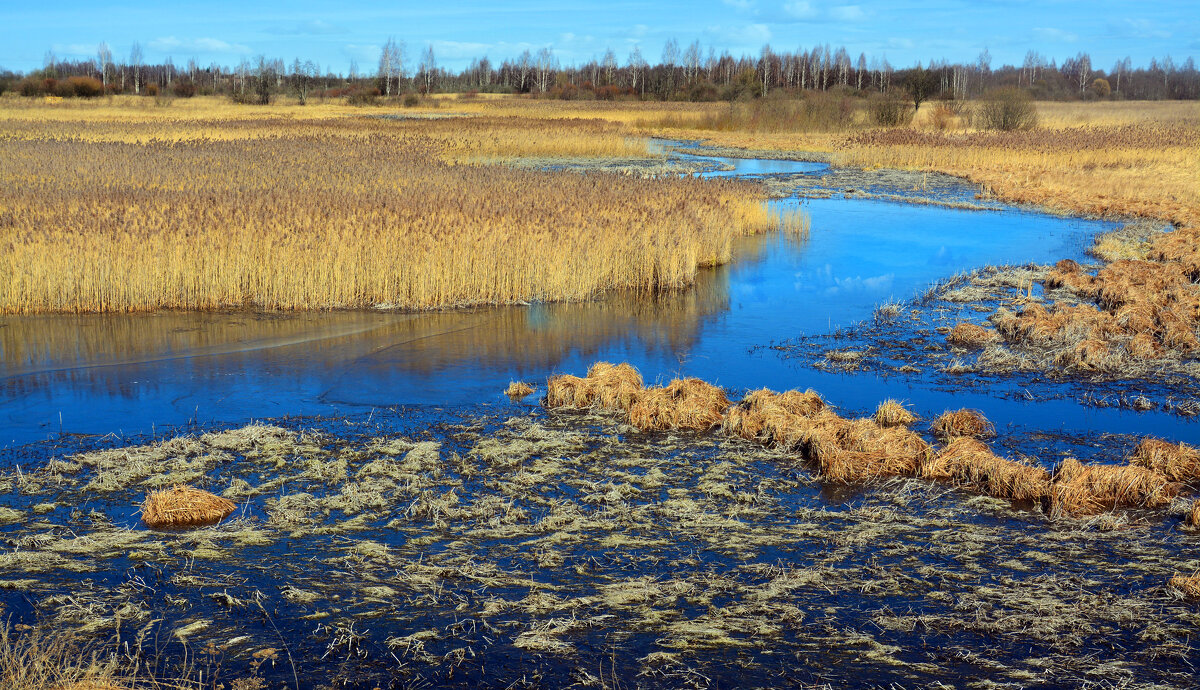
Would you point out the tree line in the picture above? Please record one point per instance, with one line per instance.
(690, 72)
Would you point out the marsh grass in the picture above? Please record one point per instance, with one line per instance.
(114, 210)
(184, 506)
(962, 423)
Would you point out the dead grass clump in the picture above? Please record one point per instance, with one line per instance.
(861, 449)
(1178, 462)
(683, 404)
(1193, 517)
(968, 334)
(518, 389)
(1187, 585)
(184, 506)
(893, 413)
(958, 423)
(765, 416)
(1080, 489)
(608, 386)
(1143, 346)
(1069, 274)
(970, 463)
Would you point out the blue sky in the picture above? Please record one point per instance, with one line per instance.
(226, 31)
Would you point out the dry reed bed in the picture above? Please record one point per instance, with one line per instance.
(339, 214)
(852, 450)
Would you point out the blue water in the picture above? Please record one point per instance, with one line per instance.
(133, 374)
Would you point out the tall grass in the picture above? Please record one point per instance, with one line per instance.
(128, 213)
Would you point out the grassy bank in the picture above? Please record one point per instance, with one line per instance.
(112, 207)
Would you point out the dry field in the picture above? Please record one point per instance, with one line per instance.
(203, 205)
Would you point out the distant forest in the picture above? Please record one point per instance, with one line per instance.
(692, 73)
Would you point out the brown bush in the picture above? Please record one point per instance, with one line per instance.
(86, 87)
(1007, 110)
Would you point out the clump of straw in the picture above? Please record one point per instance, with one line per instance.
(972, 335)
(766, 416)
(1179, 462)
(1080, 489)
(607, 386)
(1187, 585)
(184, 506)
(968, 423)
(970, 463)
(518, 389)
(683, 404)
(893, 413)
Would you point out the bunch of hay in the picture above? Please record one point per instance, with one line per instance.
(1192, 519)
(861, 449)
(893, 413)
(683, 404)
(1090, 354)
(518, 389)
(184, 506)
(1080, 489)
(1178, 462)
(765, 416)
(1069, 274)
(960, 423)
(967, 334)
(1187, 585)
(968, 462)
(607, 386)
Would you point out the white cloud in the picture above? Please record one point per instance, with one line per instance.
(197, 45)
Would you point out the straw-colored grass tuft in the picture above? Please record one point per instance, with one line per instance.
(683, 404)
(970, 463)
(861, 449)
(893, 413)
(1178, 462)
(1192, 519)
(184, 506)
(518, 389)
(766, 416)
(1080, 489)
(969, 423)
(1187, 585)
(607, 386)
(972, 335)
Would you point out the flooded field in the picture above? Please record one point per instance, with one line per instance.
(401, 523)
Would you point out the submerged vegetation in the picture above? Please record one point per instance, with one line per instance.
(485, 550)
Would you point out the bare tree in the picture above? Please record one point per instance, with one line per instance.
(48, 64)
(610, 66)
(1083, 70)
(670, 58)
(391, 65)
(428, 69)
(764, 68)
(103, 61)
(135, 62)
(545, 69)
(637, 66)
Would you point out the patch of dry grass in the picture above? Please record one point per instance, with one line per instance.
(518, 389)
(962, 423)
(893, 413)
(1179, 462)
(687, 403)
(970, 463)
(122, 209)
(184, 506)
(970, 335)
(612, 387)
(1080, 489)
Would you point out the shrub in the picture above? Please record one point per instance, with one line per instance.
(184, 89)
(32, 87)
(411, 100)
(890, 111)
(86, 87)
(152, 89)
(1101, 88)
(363, 96)
(1007, 110)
